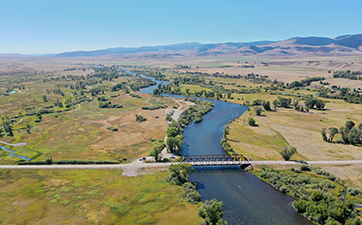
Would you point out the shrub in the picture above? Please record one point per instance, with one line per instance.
(134, 95)
(111, 128)
(304, 167)
(251, 121)
(191, 195)
(140, 118)
(353, 191)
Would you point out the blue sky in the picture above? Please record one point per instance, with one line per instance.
(46, 26)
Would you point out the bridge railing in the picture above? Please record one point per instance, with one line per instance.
(213, 158)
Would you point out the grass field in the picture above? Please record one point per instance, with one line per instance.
(81, 133)
(91, 196)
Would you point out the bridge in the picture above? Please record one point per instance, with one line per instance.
(216, 160)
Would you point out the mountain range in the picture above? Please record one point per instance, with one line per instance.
(317, 46)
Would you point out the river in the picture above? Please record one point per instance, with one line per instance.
(12, 153)
(247, 199)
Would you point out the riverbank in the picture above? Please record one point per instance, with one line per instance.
(176, 113)
(314, 190)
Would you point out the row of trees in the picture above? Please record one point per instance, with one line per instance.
(283, 102)
(350, 134)
(352, 75)
(347, 94)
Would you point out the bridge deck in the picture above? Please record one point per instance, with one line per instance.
(219, 163)
(214, 160)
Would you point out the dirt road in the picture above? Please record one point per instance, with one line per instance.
(139, 167)
(16, 144)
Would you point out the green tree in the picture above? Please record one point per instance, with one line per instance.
(344, 133)
(187, 91)
(174, 143)
(288, 152)
(9, 129)
(284, 102)
(251, 121)
(212, 212)
(324, 134)
(258, 110)
(349, 125)
(28, 127)
(168, 117)
(332, 131)
(331, 221)
(156, 91)
(229, 95)
(226, 131)
(320, 104)
(158, 146)
(275, 104)
(295, 104)
(354, 221)
(360, 126)
(49, 161)
(172, 132)
(310, 102)
(266, 105)
(44, 97)
(179, 172)
(354, 135)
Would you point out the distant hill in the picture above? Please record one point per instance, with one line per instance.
(198, 47)
(12, 55)
(124, 51)
(342, 45)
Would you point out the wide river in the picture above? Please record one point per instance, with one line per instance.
(247, 199)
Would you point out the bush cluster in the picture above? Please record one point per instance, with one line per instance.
(154, 107)
(134, 95)
(195, 112)
(191, 195)
(315, 198)
(226, 146)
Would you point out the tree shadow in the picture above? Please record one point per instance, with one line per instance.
(301, 162)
